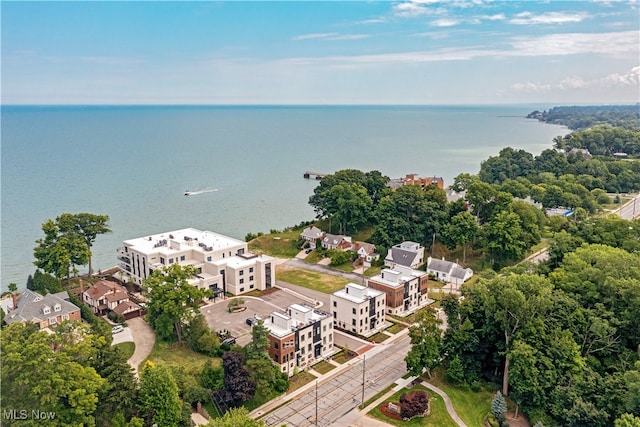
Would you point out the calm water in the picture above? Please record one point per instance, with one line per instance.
(134, 163)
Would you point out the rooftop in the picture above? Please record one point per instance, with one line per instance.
(180, 240)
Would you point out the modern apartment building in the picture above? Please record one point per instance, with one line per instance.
(405, 289)
(358, 309)
(300, 337)
(223, 264)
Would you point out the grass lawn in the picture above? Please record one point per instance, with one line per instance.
(127, 348)
(471, 406)
(437, 418)
(299, 380)
(181, 355)
(410, 319)
(313, 258)
(326, 283)
(372, 271)
(379, 337)
(342, 357)
(323, 367)
(281, 245)
(396, 327)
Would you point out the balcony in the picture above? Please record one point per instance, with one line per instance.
(124, 267)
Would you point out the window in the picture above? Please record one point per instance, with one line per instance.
(275, 344)
(335, 303)
(360, 322)
(241, 281)
(353, 310)
(251, 286)
(182, 257)
(353, 322)
(251, 278)
(57, 307)
(329, 337)
(161, 260)
(361, 311)
(241, 289)
(209, 258)
(302, 337)
(302, 351)
(335, 315)
(170, 260)
(250, 269)
(309, 335)
(242, 272)
(46, 309)
(309, 347)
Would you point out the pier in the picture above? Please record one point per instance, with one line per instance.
(317, 175)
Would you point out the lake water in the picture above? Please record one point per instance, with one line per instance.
(135, 163)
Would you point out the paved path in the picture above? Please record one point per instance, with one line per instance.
(447, 403)
(144, 338)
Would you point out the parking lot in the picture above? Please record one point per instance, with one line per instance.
(219, 318)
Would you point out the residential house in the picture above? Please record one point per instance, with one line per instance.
(406, 254)
(222, 263)
(299, 337)
(334, 241)
(358, 309)
(311, 234)
(104, 296)
(414, 179)
(405, 289)
(42, 310)
(447, 271)
(366, 252)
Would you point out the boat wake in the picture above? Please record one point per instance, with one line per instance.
(196, 192)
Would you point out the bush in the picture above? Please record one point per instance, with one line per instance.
(115, 317)
(413, 404)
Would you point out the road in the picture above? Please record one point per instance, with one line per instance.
(630, 210)
(335, 398)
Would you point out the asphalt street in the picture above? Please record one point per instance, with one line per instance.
(334, 398)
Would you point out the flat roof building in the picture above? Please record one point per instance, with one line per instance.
(358, 309)
(222, 263)
(405, 288)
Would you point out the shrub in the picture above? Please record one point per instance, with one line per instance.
(413, 404)
(455, 371)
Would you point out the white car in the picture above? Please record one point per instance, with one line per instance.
(116, 329)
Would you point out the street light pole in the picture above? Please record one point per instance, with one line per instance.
(364, 360)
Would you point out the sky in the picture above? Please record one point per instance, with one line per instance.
(424, 52)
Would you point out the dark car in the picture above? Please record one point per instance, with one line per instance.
(228, 341)
(251, 321)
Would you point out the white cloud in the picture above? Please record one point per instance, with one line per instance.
(610, 44)
(314, 36)
(445, 22)
(629, 79)
(528, 18)
(331, 36)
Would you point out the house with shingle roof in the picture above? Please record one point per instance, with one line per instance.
(335, 241)
(366, 251)
(406, 254)
(43, 310)
(105, 296)
(447, 271)
(311, 234)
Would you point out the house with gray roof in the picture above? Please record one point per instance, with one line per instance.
(43, 310)
(335, 241)
(406, 254)
(447, 271)
(311, 234)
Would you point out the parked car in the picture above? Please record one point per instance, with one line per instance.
(116, 329)
(251, 321)
(228, 341)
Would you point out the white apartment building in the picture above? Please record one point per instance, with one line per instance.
(358, 309)
(405, 289)
(300, 337)
(223, 264)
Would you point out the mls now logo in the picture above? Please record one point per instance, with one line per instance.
(23, 414)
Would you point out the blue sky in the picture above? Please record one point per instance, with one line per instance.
(331, 52)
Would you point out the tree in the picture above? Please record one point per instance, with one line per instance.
(425, 343)
(238, 385)
(200, 337)
(89, 227)
(12, 287)
(236, 417)
(627, 420)
(61, 249)
(503, 237)
(159, 395)
(263, 372)
(173, 299)
(455, 371)
(462, 229)
(62, 385)
(517, 302)
(499, 407)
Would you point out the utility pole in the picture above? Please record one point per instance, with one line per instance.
(364, 360)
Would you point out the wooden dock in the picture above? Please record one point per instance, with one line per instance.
(316, 175)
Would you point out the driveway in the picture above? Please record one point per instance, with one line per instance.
(144, 338)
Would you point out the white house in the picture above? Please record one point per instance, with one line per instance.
(223, 264)
(358, 309)
(447, 271)
(406, 254)
(311, 234)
